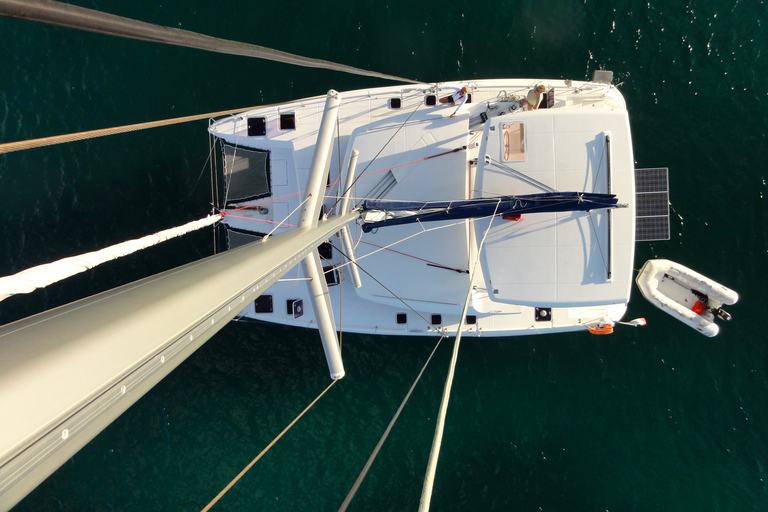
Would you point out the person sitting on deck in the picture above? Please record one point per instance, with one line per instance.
(534, 96)
(459, 97)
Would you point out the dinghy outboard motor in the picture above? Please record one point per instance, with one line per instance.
(721, 314)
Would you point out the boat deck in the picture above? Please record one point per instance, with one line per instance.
(577, 266)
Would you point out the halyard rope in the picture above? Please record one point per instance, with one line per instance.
(429, 478)
(71, 16)
(270, 445)
(375, 452)
(92, 134)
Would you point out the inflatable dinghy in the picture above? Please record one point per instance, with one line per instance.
(688, 296)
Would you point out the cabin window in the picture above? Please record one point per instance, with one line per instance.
(246, 174)
(431, 100)
(325, 250)
(288, 121)
(437, 319)
(331, 275)
(395, 103)
(512, 142)
(257, 126)
(402, 318)
(471, 319)
(263, 304)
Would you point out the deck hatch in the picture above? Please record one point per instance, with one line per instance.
(652, 204)
(257, 126)
(288, 121)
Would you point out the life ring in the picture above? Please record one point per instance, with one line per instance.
(601, 329)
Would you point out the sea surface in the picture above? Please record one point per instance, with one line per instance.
(658, 418)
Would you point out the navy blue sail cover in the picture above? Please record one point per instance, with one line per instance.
(430, 211)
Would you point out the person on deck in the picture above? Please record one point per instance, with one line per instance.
(458, 98)
(534, 96)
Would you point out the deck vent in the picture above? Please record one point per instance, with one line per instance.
(652, 204)
(295, 307)
(395, 103)
(257, 126)
(263, 304)
(431, 100)
(543, 314)
(437, 319)
(288, 121)
(402, 318)
(471, 320)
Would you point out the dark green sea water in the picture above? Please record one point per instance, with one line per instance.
(652, 419)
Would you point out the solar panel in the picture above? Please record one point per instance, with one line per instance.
(651, 204)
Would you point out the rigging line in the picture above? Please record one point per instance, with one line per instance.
(428, 262)
(369, 462)
(265, 201)
(429, 478)
(520, 175)
(379, 153)
(363, 174)
(461, 221)
(70, 16)
(224, 214)
(600, 164)
(275, 440)
(287, 217)
(338, 198)
(211, 148)
(381, 284)
(232, 169)
(9, 147)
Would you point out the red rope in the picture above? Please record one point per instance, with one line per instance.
(339, 181)
(411, 256)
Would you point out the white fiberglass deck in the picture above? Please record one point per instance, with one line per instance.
(577, 266)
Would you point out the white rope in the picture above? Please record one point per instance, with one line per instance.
(41, 276)
(429, 478)
(369, 462)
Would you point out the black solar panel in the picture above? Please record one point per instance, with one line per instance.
(652, 204)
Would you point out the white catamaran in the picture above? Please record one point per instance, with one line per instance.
(530, 193)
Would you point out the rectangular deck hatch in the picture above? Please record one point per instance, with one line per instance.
(652, 204)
